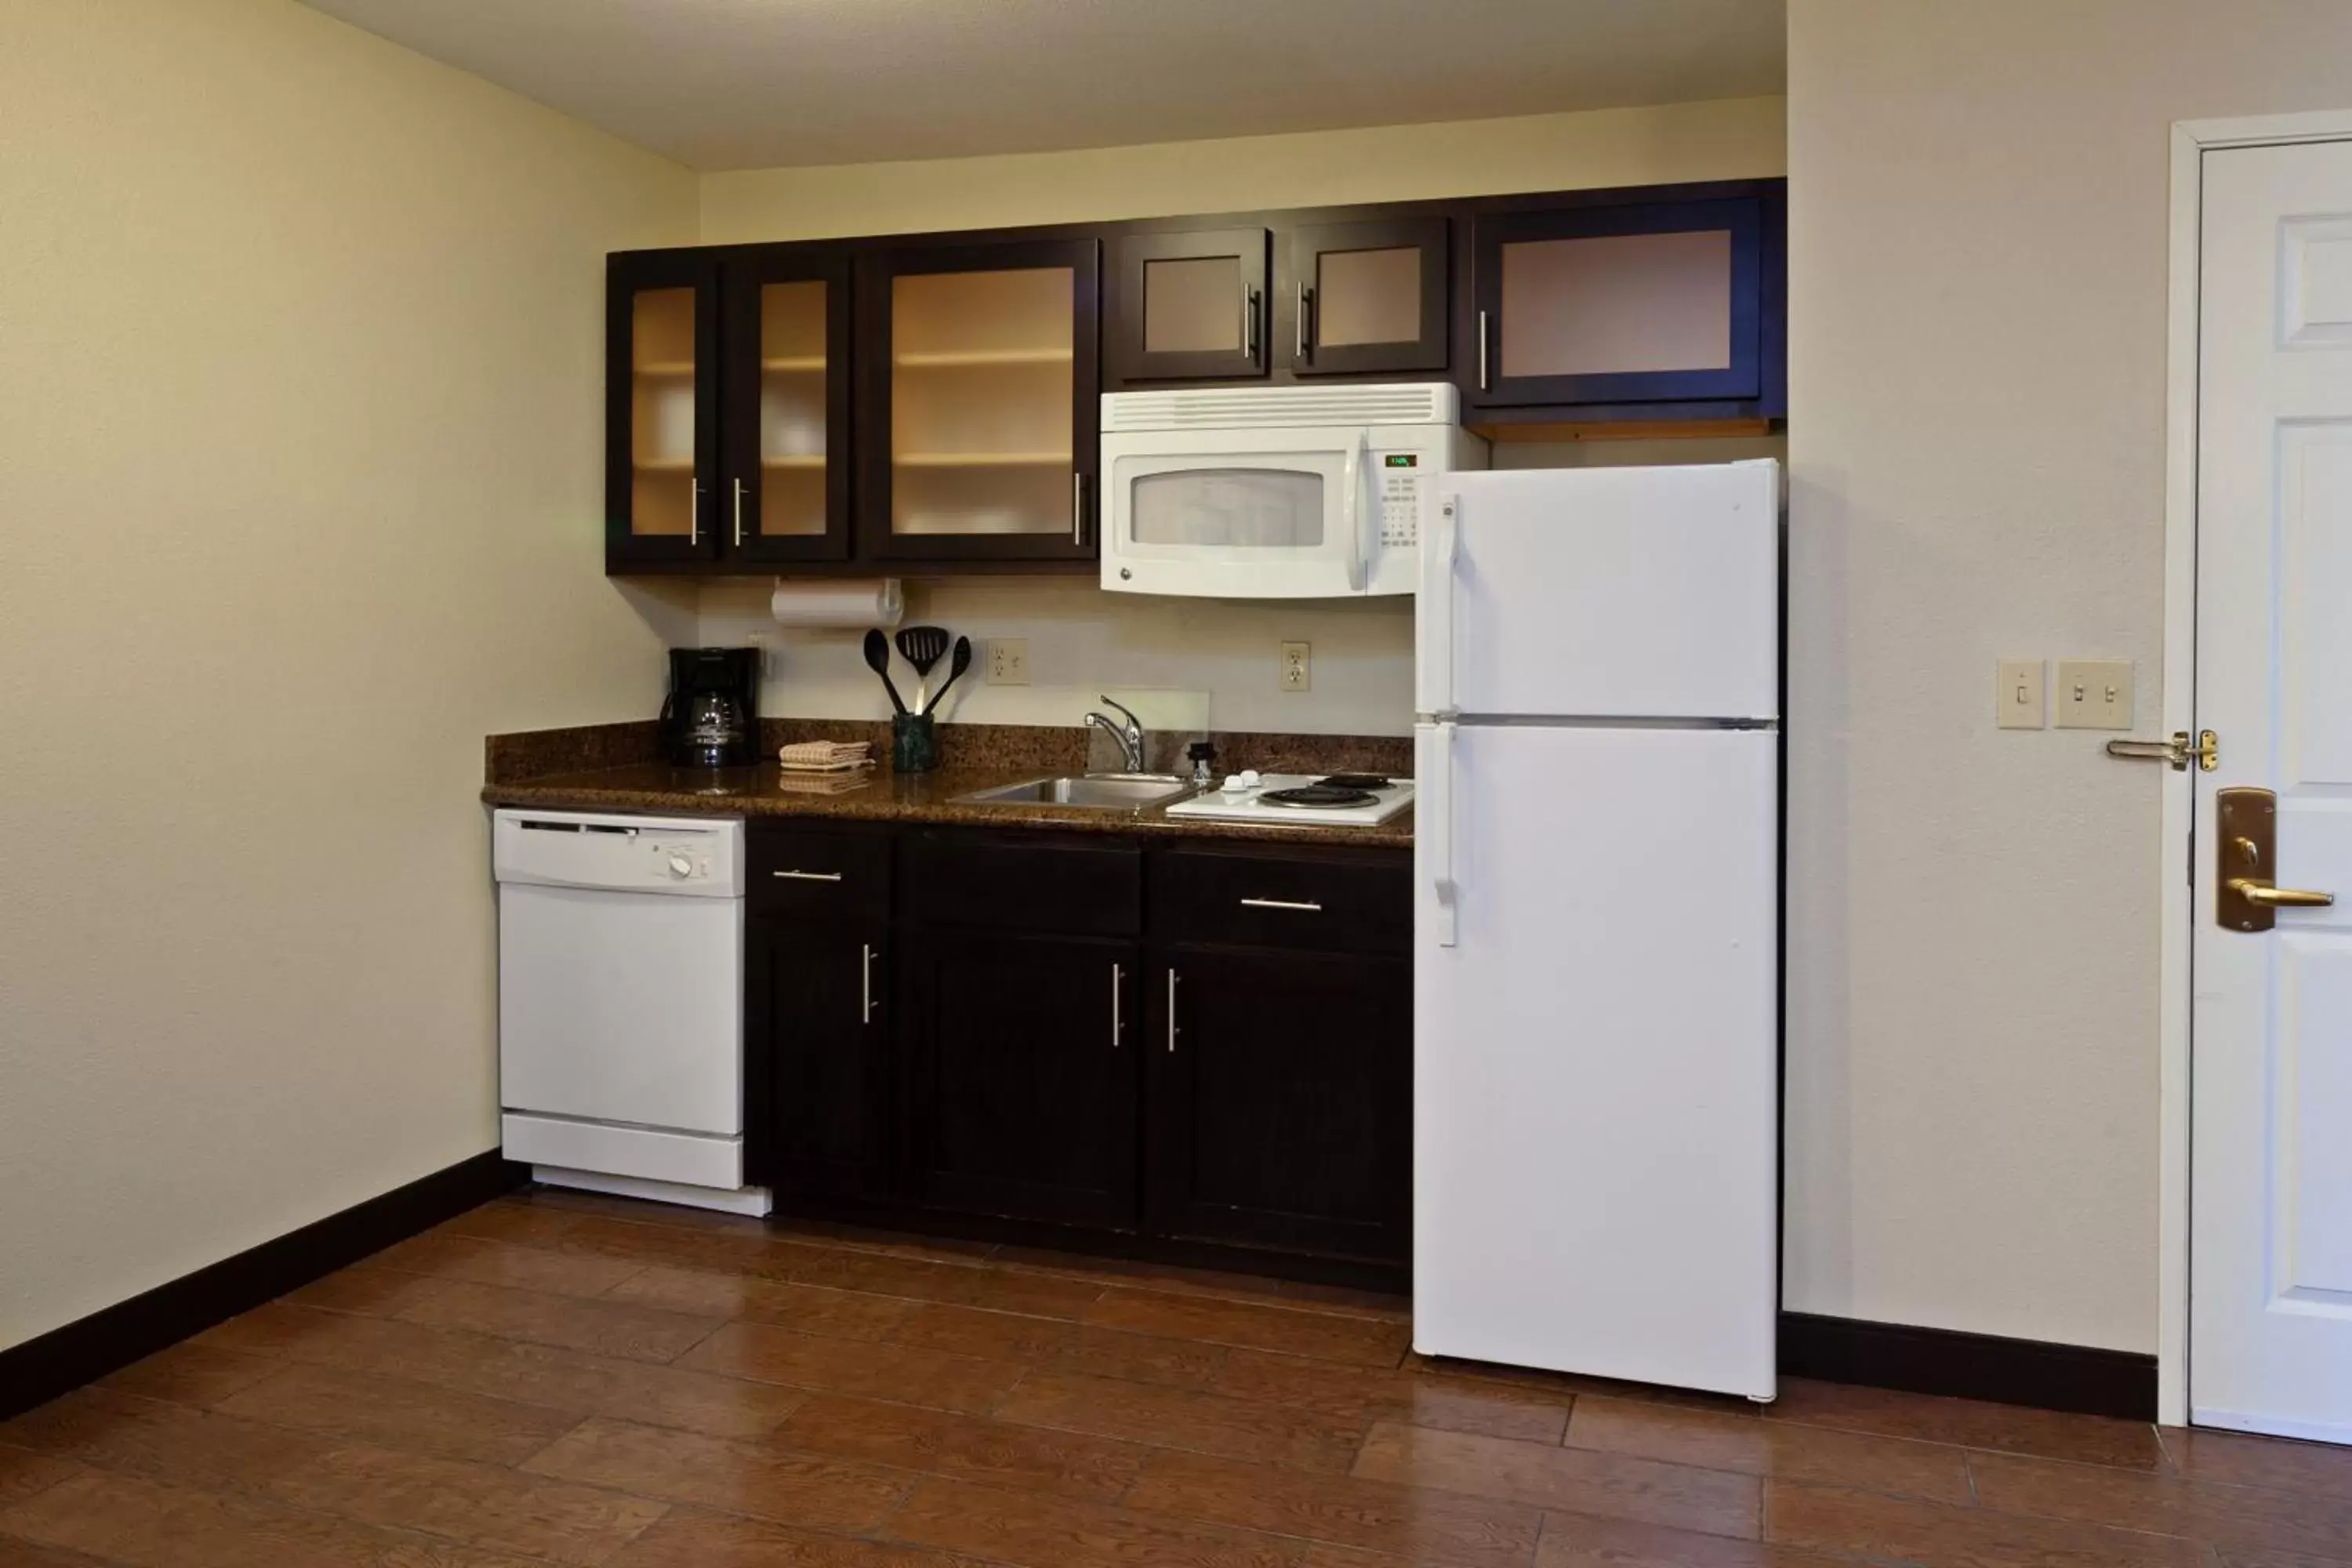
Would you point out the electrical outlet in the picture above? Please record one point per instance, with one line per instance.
(1297, 666)
(2094, 694)
(2017, 694)
(1008, 661)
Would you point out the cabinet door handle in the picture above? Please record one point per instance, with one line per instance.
(1298, 319)
(1311, 908)
(694, 513)
(810, 876)
(1118, 1024)
(1249, 323)
(1079, 509)
(739, 514)
(865, 983)
(1172, 1012)
(1482, 350)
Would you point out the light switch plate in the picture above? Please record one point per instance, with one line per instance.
(2017, 694)
(2094, 694)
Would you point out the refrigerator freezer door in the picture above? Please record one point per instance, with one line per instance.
(1596, 1072)
(1603, 592)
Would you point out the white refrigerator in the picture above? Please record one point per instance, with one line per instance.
(1596, 993)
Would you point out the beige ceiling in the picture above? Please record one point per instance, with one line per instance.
(734, 84)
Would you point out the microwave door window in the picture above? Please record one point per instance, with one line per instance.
(1228, 509)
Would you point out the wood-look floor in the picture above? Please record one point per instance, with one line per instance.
(567, 1380)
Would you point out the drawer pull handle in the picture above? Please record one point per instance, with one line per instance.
(1282, 904)
(810, 876)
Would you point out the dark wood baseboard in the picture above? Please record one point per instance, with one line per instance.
(1973, 1366)
(87, 1349)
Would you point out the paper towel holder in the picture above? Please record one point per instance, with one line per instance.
(837, 604)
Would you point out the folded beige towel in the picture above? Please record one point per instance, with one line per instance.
(826, 754)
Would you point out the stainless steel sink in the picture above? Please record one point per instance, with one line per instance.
(1084, 792)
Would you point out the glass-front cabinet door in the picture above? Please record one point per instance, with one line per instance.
(1188, 305)
(1636, 303)
(661, 397)
(786, 421)
(976, 412)
(1369, 297)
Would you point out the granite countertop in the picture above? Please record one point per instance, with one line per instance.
(878, 797)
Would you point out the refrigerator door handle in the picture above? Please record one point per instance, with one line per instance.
(1360, 566)
(1438, 803)
(1437, 608)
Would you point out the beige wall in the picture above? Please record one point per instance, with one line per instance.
(1082, 641)
(1729, 138)
(299, 497)
(1978, 242)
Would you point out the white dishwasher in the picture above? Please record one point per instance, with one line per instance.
(621, 1004)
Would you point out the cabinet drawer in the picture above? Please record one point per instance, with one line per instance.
(1344, 905)
(827, 873)
(1022, 885)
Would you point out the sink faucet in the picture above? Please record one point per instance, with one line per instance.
(1128, 735)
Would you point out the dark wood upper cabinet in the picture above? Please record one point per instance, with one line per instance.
(933, 403)
(1188, 306)
(661, 408)
(1615, 303)
(785, 422)
(1369, 297)
(977, 379)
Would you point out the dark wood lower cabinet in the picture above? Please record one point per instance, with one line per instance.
(981, 1042)
(815, 1020)
(1019, 1098)
(1280, 1105)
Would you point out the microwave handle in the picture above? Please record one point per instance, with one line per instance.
(1360, 564)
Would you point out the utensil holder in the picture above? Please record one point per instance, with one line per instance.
(914, 744)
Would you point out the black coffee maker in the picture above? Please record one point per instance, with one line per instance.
(711, 717)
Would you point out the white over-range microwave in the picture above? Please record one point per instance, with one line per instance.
(1275, 492)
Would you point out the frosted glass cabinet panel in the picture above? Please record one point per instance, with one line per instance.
(1620, 304)
(661, 383)
(984, 378)
(786, 447)
(792, 363)
(662, 424)
(1370, 296)
(1617, 304)
(1188, 305)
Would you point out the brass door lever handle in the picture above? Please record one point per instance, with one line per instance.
(2271, 898)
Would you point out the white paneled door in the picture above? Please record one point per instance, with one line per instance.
(2270, 1198)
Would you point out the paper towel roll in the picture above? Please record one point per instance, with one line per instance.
(870, 602)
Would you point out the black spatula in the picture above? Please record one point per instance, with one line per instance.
(957, 665)
(923, 646)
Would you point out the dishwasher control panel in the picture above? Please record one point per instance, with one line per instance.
(702, 858)
(680, 860)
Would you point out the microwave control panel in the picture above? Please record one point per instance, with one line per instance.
(1399, 484)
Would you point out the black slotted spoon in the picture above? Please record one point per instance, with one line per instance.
(922, 647)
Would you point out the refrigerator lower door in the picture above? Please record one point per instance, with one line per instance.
(1596, 1053)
